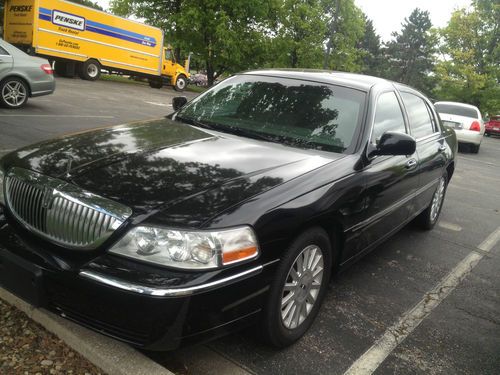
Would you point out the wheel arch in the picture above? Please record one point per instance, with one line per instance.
(18, 76)
(333, 227)
(450, 169)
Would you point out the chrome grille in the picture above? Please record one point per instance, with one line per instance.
(62, 212)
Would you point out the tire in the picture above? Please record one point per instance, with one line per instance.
(487, 134)
(90, 70)
(14, 93)
(282, 323)
(180, 83)
(60, 68)
(430, 216)
(155, 84)
(474, 148)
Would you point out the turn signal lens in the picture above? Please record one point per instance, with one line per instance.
(475, 126)
(239, 255)
(47, 69)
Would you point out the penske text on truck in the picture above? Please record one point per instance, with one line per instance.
(82, 40)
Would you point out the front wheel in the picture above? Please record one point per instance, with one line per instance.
(13, 93)
(299, 288)
(429, 217)
(180, 83)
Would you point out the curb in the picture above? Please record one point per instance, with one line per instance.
(113, 357)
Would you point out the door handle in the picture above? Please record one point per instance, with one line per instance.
(411, 163)
(442, 148)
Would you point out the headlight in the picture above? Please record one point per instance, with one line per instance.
(2, 197)
(188, 249)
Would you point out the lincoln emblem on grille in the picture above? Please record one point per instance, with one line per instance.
(47, 199)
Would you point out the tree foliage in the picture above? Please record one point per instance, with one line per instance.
(410, 54)
(468, 69)
(345, 31)
(226, 34)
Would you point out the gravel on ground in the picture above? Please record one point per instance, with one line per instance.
(28, 349)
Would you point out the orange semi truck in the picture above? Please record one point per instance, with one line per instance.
(81, 40)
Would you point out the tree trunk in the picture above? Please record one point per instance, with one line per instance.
(210, 74)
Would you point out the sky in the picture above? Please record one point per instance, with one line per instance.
(387, 15)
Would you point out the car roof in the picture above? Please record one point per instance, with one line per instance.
(459, 104)
(357, 81)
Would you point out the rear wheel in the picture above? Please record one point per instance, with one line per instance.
(155, 84)
(180, 83)
(474, 148)
(299, 288)
(90, 70)
(429, 217)
(13, 93)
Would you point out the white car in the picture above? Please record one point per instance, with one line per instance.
(467, 121)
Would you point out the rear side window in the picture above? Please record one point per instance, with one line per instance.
(3, 51)
(421, 123)
(456, 110)
(388, 116)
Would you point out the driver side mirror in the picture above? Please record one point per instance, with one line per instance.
(394, 143)
(178, 102)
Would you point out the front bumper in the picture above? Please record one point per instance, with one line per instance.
(148, 307)
(493, 130)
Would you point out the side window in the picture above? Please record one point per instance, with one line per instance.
(388, 116)
(3, 51)
(421, 123)
(168, 54)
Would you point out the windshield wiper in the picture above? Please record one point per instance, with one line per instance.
(194, 122)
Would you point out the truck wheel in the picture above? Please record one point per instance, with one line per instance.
(180, 83)
(90, 70)
(13, 93)
(155, 84)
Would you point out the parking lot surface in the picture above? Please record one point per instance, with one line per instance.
(78, 105)
(458, 332)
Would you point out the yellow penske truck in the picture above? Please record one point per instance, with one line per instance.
(82, 40)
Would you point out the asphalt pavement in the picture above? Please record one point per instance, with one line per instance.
(421, 303)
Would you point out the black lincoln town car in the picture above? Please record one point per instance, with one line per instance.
(236, 208)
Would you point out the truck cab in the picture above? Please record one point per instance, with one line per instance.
(175, 73)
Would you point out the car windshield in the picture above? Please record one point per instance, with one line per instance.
(293, 112)
(457, 110)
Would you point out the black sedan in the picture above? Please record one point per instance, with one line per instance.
(236, 208)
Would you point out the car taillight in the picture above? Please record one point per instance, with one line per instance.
(47, 69)
(475, 126)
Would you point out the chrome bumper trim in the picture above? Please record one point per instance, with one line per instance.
(171, 292)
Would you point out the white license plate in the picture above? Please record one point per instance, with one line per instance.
(496, 128)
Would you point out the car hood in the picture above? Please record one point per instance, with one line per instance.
(153, 165)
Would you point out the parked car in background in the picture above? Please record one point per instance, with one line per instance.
(492, 127)
(22, 76)
(466, 120)
(237, 207)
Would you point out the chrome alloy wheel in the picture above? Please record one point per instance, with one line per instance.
(302, 286)
(437, 199)
(14, 93)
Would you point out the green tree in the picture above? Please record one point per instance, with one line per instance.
(372, 53)
(226, 34)
(410, 53)
(345, 31)
(468, 69)
(296, 34)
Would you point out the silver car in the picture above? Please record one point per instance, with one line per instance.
(22, 76)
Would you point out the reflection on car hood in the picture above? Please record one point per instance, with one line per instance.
(152, 165)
